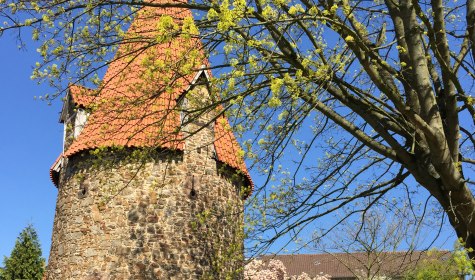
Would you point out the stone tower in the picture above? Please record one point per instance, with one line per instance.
(148, 188)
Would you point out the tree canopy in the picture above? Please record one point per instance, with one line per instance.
(25, 261)
(343, 102)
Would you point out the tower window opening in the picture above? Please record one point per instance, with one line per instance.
(82, 191)
(193, 192)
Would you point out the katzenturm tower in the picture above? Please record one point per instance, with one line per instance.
(151, 181)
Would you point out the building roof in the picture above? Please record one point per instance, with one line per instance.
(136, 103)
(345, 265)
(82, 97)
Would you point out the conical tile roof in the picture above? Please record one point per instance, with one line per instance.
(136, 104)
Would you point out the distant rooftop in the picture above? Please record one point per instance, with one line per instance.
(344, 266)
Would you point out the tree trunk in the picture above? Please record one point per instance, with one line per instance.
(460, 208)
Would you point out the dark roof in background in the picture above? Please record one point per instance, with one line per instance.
(344, 265)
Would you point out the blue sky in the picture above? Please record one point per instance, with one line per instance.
(30, 142)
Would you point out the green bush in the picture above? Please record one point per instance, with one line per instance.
(444, 266)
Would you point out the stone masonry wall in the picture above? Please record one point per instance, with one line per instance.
(138, 214)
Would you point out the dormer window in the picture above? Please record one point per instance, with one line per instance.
(183, 103)
(74, 117)
(80, 121)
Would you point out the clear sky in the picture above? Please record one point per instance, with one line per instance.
(30, 141)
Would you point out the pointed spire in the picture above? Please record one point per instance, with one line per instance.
(136, 104)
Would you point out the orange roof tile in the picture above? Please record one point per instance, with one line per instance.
(82, 96)
(227, 147)
(53, 174)
(135, 106)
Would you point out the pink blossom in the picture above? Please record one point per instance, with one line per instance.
(274, 270)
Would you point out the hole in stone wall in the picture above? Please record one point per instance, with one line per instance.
(82, 191)
(198, 150)
(193, 192)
